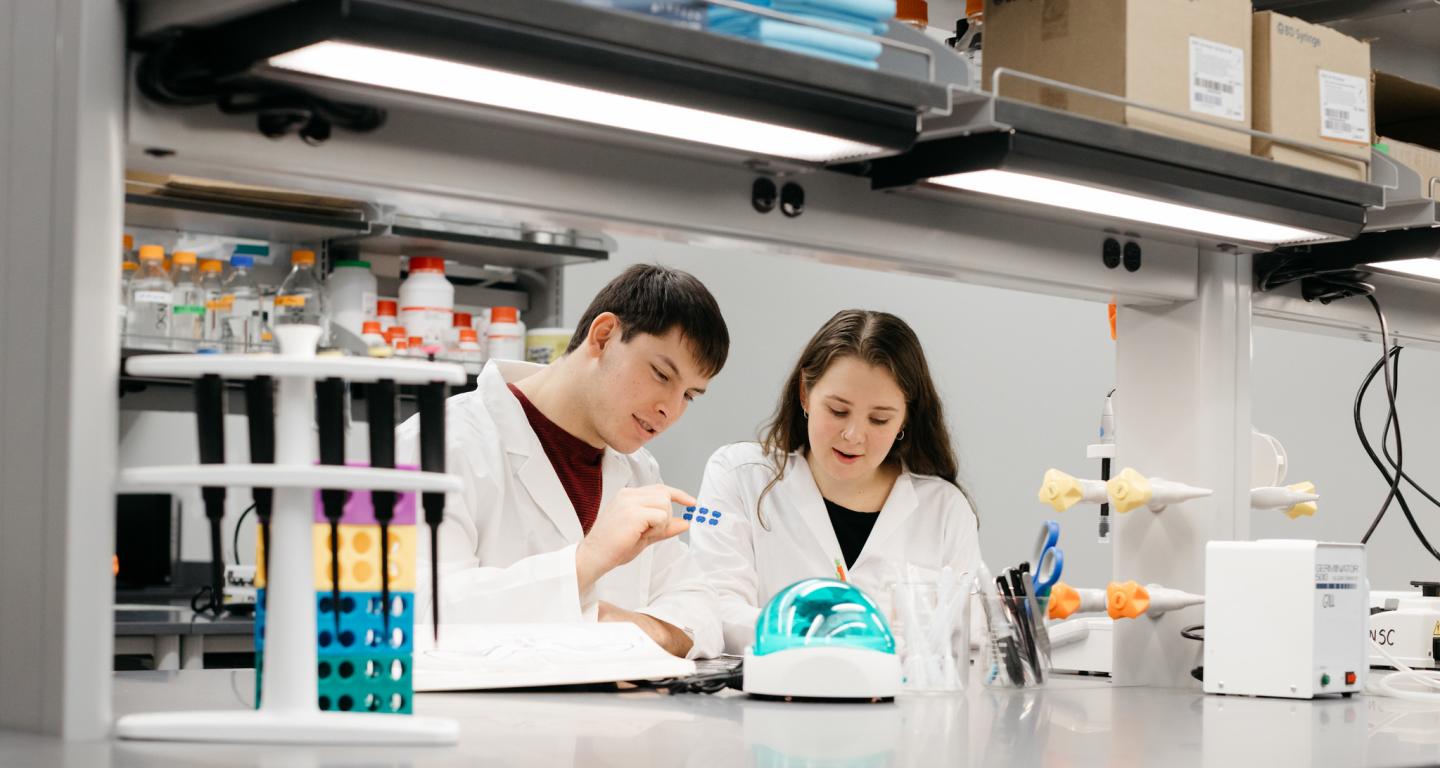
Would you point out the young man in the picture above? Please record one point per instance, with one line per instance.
(563, 515)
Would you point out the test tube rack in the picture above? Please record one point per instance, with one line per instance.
(367, 665)
(289, 711)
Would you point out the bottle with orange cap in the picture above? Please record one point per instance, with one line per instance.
(151, 293)
(301, 300)
(187, 308)
(213, 290)
(916, 13)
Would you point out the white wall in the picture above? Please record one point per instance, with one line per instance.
(1023, 376)
(1304, 390)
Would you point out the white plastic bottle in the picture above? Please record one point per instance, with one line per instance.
(452, 336)
(243, 325)
(148, 317)
(427, 300)
(469, 351)
(351, 292)
(127, 276)
(301, 299)
(213, 289)
(187, 308)
(371, 335)
(505, 338)
(385, 313)
(417, 347)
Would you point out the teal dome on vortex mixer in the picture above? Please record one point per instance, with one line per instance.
(822, 612)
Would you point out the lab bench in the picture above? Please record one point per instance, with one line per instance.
(1073, 721)
(178, 638)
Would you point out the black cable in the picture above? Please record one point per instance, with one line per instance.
(1394, 494)
(1385, 438)
(710, 683)
(235, 540)
(1189, 632)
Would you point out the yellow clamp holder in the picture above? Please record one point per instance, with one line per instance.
(1060, 490)
(1129, 490)
(1126, 601)
(1304, 508)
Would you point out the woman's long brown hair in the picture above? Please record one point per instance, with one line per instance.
(885, 341)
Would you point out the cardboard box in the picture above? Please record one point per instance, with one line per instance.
(1422, 160)
(1312, 85)
(1407, 110)
(1189, 56)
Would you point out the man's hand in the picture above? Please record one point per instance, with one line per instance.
(666, 635)
(632, 521)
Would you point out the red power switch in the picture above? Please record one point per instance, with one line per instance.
(1349, 678)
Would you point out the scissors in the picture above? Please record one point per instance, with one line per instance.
(1049, 559)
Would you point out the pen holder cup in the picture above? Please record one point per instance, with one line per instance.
(1015, 651)
(932, 632)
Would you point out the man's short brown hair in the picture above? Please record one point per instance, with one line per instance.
(649, 298)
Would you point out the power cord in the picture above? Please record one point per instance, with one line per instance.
(1389, 685)
(1392, 418)
(235, 539)
(711, 683)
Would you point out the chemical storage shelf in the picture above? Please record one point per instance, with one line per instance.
(239, 219)
(481, 244)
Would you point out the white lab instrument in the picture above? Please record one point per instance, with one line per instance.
(512, 510)
(1131, 490)
(1083, 644)
(925, 525)
(1285, 618)
(1407, 626)
(822, 639)
(1120, 600)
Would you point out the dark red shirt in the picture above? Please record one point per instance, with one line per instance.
(576, 462)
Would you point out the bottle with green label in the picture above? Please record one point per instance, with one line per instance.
(187, 310)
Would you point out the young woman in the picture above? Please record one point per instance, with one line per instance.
(854, 478)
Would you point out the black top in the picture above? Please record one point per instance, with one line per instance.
(851, 528)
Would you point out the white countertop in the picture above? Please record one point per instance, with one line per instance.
(1074, 721)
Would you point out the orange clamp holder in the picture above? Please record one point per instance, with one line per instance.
(1064, 600)
(1126, 601)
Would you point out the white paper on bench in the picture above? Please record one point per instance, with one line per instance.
(483, 656)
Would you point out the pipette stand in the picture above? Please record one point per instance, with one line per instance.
(289, 712)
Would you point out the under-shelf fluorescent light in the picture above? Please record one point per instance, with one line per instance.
(497, 88)
(1428, 269)
(1104, 202)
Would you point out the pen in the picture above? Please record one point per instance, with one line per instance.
(840, 570)
(1023, 615)
(1037, 615)
(1013, 666)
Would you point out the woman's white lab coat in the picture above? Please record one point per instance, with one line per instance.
(507, 546)
(925, 525)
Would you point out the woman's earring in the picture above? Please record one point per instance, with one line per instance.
(807, 413)
(900, 436)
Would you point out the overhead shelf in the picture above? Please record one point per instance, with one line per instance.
(239, 219)
(1025, 139)
(482, 244)
(790, 105)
